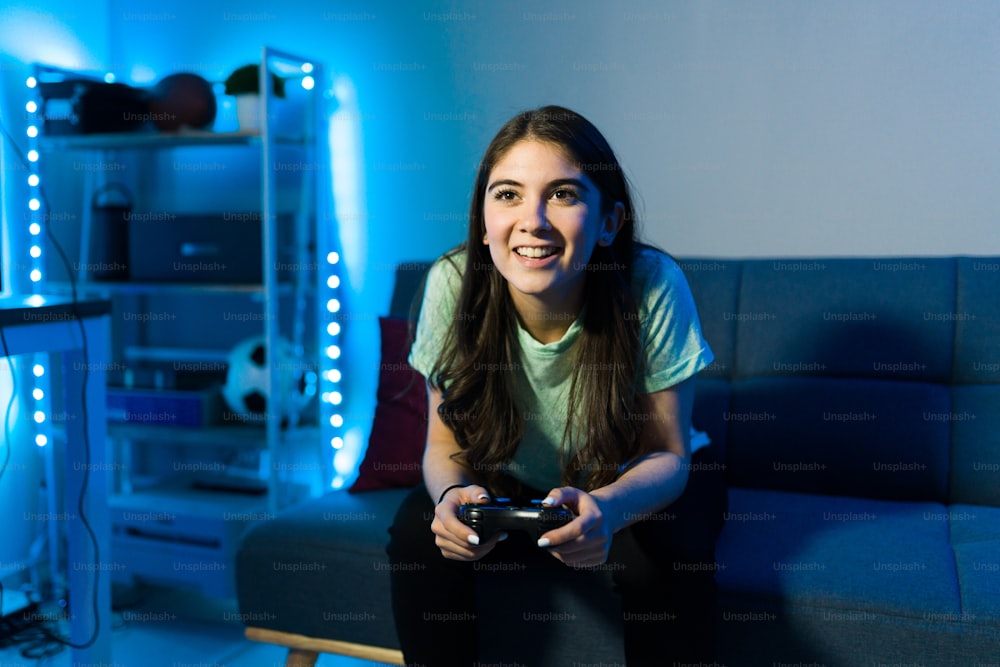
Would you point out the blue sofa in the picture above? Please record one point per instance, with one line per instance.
(855, 403)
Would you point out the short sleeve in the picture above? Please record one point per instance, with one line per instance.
(675, 349)
(437, 311)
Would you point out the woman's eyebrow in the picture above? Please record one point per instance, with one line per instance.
(505, 181)
(559, 181)
(570, 181)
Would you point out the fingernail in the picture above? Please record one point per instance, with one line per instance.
(549, 501)
(544, 542)
(482, 496)
(474, 540)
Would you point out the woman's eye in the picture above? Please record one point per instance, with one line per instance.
(565, 194)
(505, 195)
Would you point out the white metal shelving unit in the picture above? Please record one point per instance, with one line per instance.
(294, 461)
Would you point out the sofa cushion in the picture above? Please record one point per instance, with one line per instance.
(975, 538)
(847, 317)
(975, 456)
(979, 577)
(399, 430)
(839, 436)
(977, 321)
(715, 286)
(836, 554)
(973, 523)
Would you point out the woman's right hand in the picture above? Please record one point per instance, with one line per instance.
(456, 540)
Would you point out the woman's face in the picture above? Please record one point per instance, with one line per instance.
(543, 219)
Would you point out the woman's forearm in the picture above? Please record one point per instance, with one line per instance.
(441, 470)
(652, 483)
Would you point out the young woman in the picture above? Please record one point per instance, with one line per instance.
(558, 353)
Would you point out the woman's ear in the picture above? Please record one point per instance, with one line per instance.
(611, 224)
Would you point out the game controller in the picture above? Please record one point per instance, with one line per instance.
(491, 518)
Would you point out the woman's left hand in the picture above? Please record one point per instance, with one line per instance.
(585, 541)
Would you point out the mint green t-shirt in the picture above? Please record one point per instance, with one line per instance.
(670, 334)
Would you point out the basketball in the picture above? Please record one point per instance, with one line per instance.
(182, 100)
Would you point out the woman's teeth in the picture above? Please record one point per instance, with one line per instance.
(535, 253)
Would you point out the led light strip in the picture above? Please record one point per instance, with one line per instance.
(331, 394)
(39, 392)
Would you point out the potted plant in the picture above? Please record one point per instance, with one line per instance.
(244, 84)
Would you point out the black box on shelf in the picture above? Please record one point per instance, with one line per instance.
(219, 248)
(85, 106)
(209, 248)
(164, 407)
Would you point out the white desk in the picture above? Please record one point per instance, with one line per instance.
(55, 325)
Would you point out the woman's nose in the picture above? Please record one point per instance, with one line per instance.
(535, 218)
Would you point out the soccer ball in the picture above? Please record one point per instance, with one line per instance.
(247, 388)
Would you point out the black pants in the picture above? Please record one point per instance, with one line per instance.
(663, 568)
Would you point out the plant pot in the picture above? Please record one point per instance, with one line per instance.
(248, 112)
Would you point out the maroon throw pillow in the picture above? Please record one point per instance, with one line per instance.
(399, 431)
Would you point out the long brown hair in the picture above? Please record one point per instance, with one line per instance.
(476, 371)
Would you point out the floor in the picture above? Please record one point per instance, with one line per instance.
(157, 627)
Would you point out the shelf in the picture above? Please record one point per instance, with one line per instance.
(178, 496)
(112, 287)
(156, 140)
(182, 499)
(175, 354)
(283, 301)
(234, 435)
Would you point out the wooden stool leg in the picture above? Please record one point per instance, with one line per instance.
(298, 657)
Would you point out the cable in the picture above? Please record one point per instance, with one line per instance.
(7, 413)
(85, 482)
(8, 440)
(6, 425)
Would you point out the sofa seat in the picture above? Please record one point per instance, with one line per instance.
(838, 573)
(975, 539)
(839, 553)
(320, 569)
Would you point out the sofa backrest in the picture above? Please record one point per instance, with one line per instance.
(874, 377)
